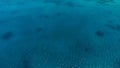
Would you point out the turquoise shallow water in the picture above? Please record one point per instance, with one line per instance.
(60, 34)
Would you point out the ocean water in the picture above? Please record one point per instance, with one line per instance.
(60, 34)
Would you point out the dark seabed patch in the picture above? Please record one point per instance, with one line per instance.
(72, 4)
(7, 35)
(100, 33)
(113, 26)
(39, 29)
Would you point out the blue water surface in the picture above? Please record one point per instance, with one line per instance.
(60, 34)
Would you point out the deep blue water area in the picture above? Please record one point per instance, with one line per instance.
(60, 34)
